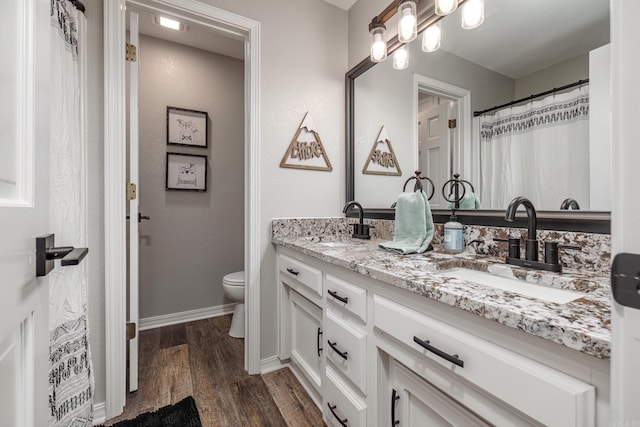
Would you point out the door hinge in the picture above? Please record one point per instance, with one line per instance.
(131, 54)
(131, 331)
(452, 124)
(131, 191)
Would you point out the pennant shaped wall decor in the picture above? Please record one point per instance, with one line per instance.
(306, 150)
(382, 160)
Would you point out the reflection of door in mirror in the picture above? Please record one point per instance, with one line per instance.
(434, 141)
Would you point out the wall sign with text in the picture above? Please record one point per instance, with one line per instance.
(382, 160)
(306, 150)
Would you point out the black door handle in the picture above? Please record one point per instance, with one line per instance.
(292, 271)
(46, 253)
(140, 217)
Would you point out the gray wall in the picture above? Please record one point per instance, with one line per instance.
(193, 239)
(566, 72)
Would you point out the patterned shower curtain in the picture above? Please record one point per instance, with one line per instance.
(70, 371)
(539, 150)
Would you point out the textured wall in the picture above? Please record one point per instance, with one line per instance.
(193, 238)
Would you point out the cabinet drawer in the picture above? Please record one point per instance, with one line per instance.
(302, 272)
(548, 396)
(343, 408)
(346, 347)
(348, 296)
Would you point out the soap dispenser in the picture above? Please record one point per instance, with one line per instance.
(453, 241)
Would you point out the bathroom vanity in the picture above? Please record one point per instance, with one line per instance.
(424, 339)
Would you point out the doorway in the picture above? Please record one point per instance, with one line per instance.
(231, 25)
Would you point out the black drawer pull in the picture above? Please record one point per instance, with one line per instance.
(318, 342)
(292, 271)
(342, 422)
(340, 353)
(451, 358)
(394, 397)
(338, 297)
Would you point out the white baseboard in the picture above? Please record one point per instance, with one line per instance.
(185, 316)
(271, 364)
(99, 413)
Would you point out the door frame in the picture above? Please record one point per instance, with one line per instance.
(462, 143)
(235, 26)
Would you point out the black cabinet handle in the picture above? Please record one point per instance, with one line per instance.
(338, 297)
(394, 398)
(451, 358)
(342, 422)
(318, 342)
(340, 353)
(292, 271)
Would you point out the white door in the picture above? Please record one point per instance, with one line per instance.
(433, 150)
(134, 240)
(625, 228)
(24, 197)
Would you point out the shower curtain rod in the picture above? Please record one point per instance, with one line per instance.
(529, 98)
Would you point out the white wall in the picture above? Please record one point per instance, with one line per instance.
(303, 62)
(600, 138)
(193, 238)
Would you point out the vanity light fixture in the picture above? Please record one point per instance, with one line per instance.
(408, 24)
(378, 43)
(445, 7)
(472, 14)
(431, 38)
(400, 58)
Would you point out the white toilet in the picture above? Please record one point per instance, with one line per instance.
(233, 284)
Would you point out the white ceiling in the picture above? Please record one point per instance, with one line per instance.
(342, 4)
(197, 36)
(519, 37)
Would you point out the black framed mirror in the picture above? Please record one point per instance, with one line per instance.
(597, 221)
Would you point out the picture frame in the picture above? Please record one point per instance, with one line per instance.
(187, 127)
(187, 172)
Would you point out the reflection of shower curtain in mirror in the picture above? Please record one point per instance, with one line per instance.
(539, 151)
(70, 370)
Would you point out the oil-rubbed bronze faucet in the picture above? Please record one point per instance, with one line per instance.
(551, 260)
(360, 230)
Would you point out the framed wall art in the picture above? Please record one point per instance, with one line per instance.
(186, 172)
(187, 127)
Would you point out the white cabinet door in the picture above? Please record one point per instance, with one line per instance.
(24, 203)
(306, 334)
(415, 402)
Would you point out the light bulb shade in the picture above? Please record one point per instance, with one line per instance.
(378, 43)
(431, 38)
(400, 58)
(472, 14)
(408, 24)
(445, 7)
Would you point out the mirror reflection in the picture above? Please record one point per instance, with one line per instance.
(552, 149)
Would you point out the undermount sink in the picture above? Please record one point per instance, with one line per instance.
(542, 292)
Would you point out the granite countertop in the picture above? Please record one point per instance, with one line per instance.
(582, 324)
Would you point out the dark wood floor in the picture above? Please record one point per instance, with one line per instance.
(200, 359)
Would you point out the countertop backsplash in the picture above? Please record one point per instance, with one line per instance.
(595, 255)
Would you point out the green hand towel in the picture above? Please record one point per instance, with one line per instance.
(469, 201)
(413, 228)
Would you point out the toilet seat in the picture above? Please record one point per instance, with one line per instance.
(234, 279)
